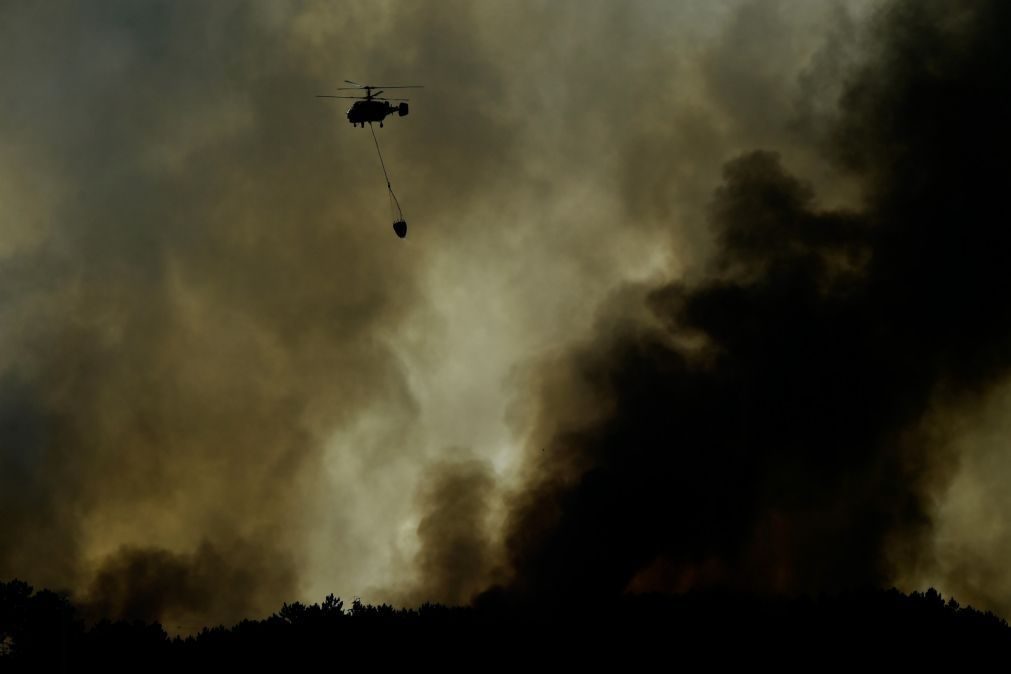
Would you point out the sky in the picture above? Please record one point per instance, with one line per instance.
(225, 383)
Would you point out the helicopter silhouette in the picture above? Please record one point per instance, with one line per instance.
(371, 107)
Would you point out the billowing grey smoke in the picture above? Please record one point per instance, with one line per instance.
(195, 293)
(200, 295)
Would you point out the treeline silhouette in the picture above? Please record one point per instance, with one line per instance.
(44, 631)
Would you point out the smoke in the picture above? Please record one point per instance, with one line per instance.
(457, 554)
(225, 384)
(141, 583)
(208, 335)
(191, 309)
(765, 428)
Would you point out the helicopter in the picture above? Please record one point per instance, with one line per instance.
(370, 107)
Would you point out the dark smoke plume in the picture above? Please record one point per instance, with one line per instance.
(762, 431)
(138, 583)
(456, 554)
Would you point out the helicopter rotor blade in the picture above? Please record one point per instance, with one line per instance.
(369, 87)
(354, 98)
(390, 99)
(376, 94)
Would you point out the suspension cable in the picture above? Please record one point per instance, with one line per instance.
(382, 163)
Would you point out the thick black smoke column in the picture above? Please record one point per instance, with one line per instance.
(766, 436)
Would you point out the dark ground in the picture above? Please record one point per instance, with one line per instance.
(43, 631)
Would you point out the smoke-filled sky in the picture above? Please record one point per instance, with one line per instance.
(695, 294)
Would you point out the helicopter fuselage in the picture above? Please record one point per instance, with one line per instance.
(371, 110)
